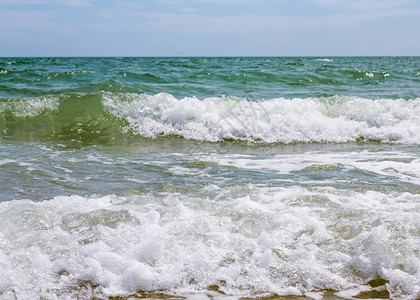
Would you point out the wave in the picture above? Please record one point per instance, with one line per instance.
(364, 75)
(325, 59)
(97, 247)
(4, 71)
(72, 118)
(267, 78)
(113, 117)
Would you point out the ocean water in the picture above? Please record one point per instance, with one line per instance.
(210, 178)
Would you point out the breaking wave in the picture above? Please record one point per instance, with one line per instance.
(95, 247)
(108, 116)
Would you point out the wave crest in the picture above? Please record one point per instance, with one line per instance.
(115, 117)
(331, 119)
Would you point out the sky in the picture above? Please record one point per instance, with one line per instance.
(209, 27)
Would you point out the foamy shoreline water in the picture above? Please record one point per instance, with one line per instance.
(197, 229)
(186, 244)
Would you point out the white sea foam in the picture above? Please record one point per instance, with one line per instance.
(334, 119)
(325, 59)
(272, 241)
(393, 164)
(30, 107)
(6, 161)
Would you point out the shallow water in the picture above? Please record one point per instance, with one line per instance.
(210, 177)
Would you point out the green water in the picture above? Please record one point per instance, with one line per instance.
(259, 78)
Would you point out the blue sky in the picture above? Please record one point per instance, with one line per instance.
(209, 28)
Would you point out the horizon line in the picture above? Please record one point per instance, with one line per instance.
(206, 56)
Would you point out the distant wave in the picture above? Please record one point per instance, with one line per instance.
(108, 116)
(325, 59)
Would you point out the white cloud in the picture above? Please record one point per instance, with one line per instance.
(72, 3)
(75, 3)
(362, 5)
(222, 2)
(189, 9)
(22, 2)
(237, 25)
(130, 5)
(24, 22)
(253, 24)
(373, 5)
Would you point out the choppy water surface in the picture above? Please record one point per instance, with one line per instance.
(210, 177)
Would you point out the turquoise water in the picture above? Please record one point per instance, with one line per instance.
(260, 78)
(210, 177)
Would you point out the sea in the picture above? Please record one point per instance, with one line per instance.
(210, 178)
